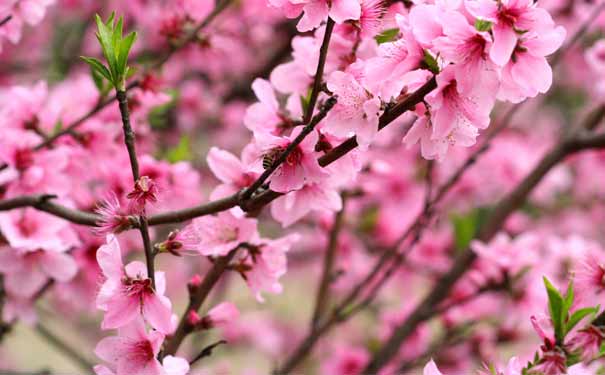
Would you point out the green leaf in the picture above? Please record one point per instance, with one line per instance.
(568, 301)
(124, 49)
(181, 152)
(97, 67)
(482, 25)
(431, 62)
(386, 36)
(556, 306)
(577, 316)
(466, 227)
(58, 127)
(105, 37)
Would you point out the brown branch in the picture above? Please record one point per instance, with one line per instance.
(5, 20)
(392, 258)
(65, 348)
(510, 203)
(254, 203)
(207, 351)
(307, 118)
(327, 276)
(291, 147)
(196, 301)
(43, 203)
(69, 130)
(317, 80)
(129, 140)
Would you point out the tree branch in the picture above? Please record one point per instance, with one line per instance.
(129, 140)
(196, 301)
(510, 203)
(328, 266)
(5, 20)
(65, 348)
(103, 104)
(308, 116)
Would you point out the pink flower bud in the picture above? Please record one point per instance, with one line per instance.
(193, 318)
(196, 280)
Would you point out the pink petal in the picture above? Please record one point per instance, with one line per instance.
(532, 73)
(505, 40)
(264, 92)
(59, 266)
(225, 166)
(109, 258)
(342, 10)
(121, 310)
(157, 310)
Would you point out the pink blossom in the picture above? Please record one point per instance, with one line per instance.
(510, 18)
(29, 230)
(431, 369)
(291, 207)
(222, 314)
(26, 272)
(301, 165)
(217, 235)
(528, 73)
(265, 116)
(134, 352)
(113, 219)
(22, 11)
(316, 11)
(346, 361)
(233, 173)
(588, 342)
(452, 108)
(503, 255)
(590, 277)
(127, 292)
(542, 324)
(269, 265)
(468, 48)
(356, 112)
(393, 71)
(370, 19)
(145, 192)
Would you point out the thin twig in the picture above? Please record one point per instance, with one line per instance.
(129, 140)
(207, 351)
(69, 130)
(308, 116)
(5, 20)
(196, 301)
(510, 203)
(323, 53)
(291, 147)
(65, 348)
(327, 276)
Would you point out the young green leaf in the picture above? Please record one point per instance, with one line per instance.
(577, 316)
(556, 308)
(431, 62)
(387, 35)
(97, 67)
(482, 25)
